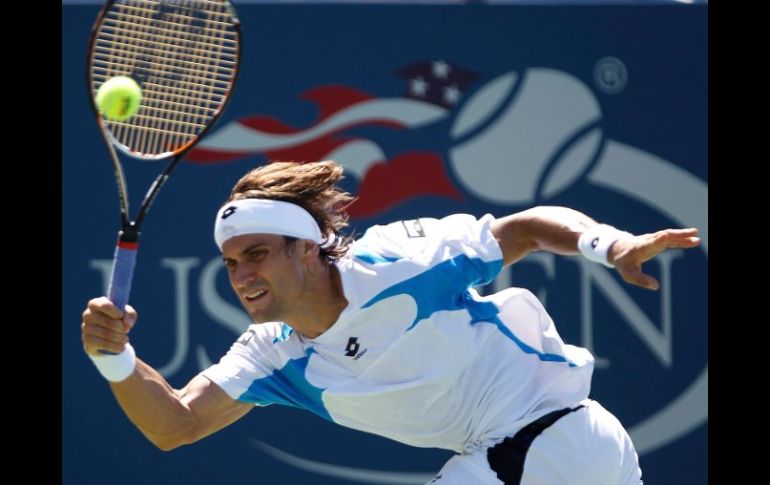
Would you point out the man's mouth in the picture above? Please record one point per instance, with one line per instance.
(255, 296)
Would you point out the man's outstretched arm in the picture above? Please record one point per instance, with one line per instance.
(558, 230)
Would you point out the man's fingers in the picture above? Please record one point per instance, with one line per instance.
(689, 231)
(102, 312)
(101, 320)
(645, 247)
(638, 278)
(687, 242)
(93, 344)
(104, 334)
(649, 282)
(105, 306)
(658, 242)
(129, 318)
(678, 238)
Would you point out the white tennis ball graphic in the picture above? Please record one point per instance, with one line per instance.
(507, 146)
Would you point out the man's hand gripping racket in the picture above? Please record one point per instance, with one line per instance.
(184, 54)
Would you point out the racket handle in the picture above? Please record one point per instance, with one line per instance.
(123, 264)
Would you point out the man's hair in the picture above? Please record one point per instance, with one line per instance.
(310, 186)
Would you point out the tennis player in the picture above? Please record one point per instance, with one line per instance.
(387, 335)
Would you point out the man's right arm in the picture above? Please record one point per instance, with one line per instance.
(170, 418)
(167, 417)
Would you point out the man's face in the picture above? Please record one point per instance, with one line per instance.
(267, 275)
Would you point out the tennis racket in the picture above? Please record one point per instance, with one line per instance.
(184, 54)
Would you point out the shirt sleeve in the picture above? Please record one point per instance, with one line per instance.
(247, 361)
(458, 240)
(469, 243)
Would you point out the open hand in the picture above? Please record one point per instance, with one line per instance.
(629, 254)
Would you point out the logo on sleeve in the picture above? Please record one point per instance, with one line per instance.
(247, 335)
(413, 228)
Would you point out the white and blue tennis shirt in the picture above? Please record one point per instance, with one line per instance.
(418, 356)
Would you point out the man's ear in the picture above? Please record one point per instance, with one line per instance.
(309, 250)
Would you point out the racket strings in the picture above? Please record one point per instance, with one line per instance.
(184, 55)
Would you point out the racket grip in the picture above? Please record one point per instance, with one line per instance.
(123, 264)
(122, 274)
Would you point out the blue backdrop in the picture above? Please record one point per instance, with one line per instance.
(433, 110)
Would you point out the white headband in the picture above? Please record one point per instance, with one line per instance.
(264, 216)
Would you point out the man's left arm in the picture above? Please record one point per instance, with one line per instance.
(558, 230)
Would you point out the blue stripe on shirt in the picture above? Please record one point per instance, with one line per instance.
(442, 286)
(486, 312)
(286, 332)
(371, 257)
(288, 386)
(445, 287)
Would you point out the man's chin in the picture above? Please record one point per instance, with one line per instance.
(260, 317)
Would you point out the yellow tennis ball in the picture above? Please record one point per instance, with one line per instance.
(118, 98)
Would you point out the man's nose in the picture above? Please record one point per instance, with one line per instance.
(244, 275)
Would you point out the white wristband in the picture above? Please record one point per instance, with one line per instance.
(116, 368)
(595, 243)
